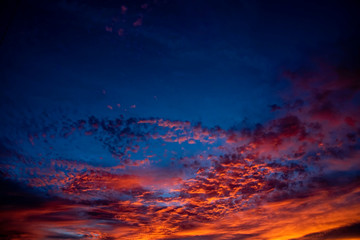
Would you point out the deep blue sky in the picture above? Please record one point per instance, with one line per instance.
(209, 61)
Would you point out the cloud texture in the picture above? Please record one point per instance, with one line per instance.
(294, 177)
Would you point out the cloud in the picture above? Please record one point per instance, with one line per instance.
(294, 176)
(347, 232)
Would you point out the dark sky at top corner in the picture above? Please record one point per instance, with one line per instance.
(217, 62)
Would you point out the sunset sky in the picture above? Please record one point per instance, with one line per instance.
(180, 120)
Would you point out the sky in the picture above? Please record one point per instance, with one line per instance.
(180, 120)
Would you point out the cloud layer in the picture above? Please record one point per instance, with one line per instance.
(294, 177)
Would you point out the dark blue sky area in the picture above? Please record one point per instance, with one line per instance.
(217, 62)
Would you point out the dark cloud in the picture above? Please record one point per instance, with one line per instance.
(347, 232)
